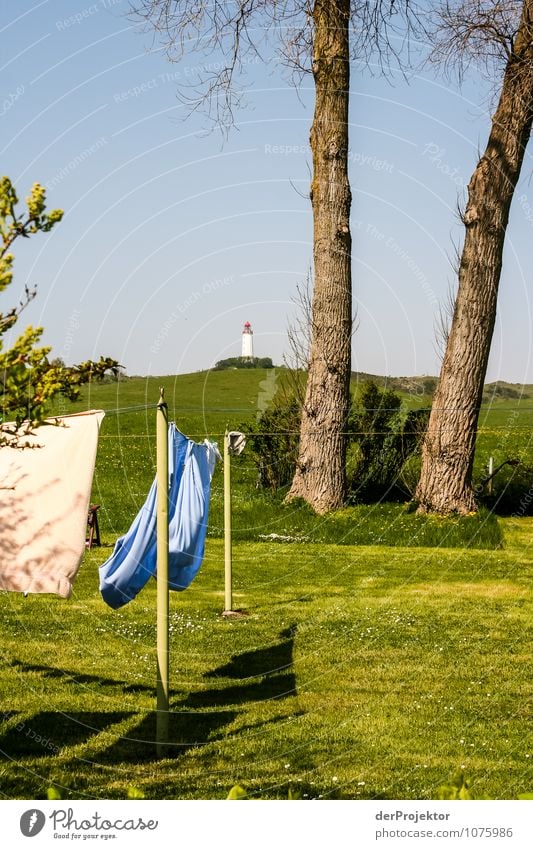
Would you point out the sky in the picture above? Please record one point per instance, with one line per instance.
(174, 235)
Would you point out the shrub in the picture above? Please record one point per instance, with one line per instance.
(512, 491)
(385, 438)
(381, 440)
(273, 441)
(243, 362)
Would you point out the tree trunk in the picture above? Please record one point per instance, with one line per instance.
(320, 476)
(448, 452)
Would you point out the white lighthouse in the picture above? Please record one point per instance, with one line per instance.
(247, 342)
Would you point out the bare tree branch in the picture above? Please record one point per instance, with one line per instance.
(234, 32)
(479, 32)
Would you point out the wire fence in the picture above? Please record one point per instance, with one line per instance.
(516, 429)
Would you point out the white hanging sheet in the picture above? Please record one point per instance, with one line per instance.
(44, 500)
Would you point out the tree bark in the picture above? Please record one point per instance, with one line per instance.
(320, 476)
(445, 484)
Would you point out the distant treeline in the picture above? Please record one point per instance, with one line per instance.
(427, 384)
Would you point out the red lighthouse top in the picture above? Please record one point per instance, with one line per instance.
(247, 327)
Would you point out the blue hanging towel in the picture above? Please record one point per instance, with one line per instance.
(134, 559)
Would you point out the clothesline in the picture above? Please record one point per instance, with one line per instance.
(188, 410)
(137, 408)
(493, 432)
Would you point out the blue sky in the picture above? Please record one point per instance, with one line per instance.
(173, 237)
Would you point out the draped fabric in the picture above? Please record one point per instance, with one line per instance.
(44, 499)
(134, 559)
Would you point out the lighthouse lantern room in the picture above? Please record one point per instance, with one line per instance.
(247, 342)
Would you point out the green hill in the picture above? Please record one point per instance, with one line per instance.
(425, 385)
(205, 404)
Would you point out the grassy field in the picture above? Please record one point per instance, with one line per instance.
(205, 404)
(359, 673)
(362, 670)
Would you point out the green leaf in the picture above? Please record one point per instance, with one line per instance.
(53, 793)
(135, 793)
(237, 792)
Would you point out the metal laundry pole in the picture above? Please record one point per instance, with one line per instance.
(162, 577)
(234, 442)
(228, 595)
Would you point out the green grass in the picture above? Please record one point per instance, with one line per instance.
(360, 672)
(383, 652)
(203, 405)
(259, 516)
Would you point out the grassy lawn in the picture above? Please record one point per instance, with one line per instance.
(382, 652)
(360, 672)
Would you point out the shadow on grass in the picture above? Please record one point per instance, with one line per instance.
(278, 687)
(260, 662)
(191, 722)
(48, 733)
(272, 665)
(51, 733)
(80, 677)
(186, 731)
